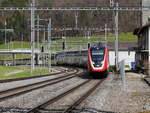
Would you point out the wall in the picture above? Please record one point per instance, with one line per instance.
(123, 55)
(146, 14)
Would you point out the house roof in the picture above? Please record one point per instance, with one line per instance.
(138, 31)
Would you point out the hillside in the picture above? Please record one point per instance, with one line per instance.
(128, 21)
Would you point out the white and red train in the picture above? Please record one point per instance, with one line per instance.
(95, 59)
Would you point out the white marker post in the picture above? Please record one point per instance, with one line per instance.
(122, 73)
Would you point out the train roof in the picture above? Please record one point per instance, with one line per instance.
(97, 47)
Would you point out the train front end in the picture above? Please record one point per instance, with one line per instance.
(98, 59)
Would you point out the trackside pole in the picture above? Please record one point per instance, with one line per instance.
(49, 43)
(32, 35)
(122, 73)
(116, 37)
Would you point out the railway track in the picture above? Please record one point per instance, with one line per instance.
(42, 108)
(9, 93)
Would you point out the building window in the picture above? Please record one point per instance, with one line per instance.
(148, 19)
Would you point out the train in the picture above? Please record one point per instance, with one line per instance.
(95, 59)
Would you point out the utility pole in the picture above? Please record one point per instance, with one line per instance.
(106, 34)
(22, 41)
(38, 32)
(76, 20)
(44, 36)
(5, 32)
(111, 3)
(89, 34)
(116, 37)
(32, 34)
(49, 41)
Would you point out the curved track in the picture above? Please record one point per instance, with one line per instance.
(9, 93)
(41, 107)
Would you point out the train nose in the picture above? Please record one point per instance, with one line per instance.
(97, 64)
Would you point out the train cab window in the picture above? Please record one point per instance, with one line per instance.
(84, 53)
(97, 55)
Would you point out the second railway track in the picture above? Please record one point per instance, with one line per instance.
(9, 93)
(44, 107)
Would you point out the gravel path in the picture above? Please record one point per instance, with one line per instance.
(113, 97)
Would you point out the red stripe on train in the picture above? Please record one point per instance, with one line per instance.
(101, 69)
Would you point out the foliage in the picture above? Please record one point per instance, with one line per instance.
(14, 3)
(1, 33)
(17, 22)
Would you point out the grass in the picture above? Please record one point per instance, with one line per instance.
(14, 3)
(123, 37)
(20, 71)
(16, 45)
(70, 43)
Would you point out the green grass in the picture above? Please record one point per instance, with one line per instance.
(123, 37)
(14, 3)
(70, 43)
(20, 71)
(77, 42)
(16, 45)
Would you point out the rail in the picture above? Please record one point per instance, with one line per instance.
(60, 96)
(9, 93)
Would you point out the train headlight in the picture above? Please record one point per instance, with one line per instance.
(102, 62)
(93, 63)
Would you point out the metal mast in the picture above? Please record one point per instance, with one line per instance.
(5, 32)
(49, 41)
(106, 35)
(76, 19)
(38, 34)
(116, 36)
(32, 34)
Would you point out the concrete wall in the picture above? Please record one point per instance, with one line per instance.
(146, 14)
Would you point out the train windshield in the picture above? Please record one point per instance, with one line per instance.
(97, 55)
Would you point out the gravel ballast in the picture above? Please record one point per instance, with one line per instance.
(113, 97)
(36, 97)
(110, 96)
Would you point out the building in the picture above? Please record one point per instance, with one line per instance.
(123, 55)
(145, 14)
(143, 49)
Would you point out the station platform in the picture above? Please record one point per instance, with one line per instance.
(147, 80)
